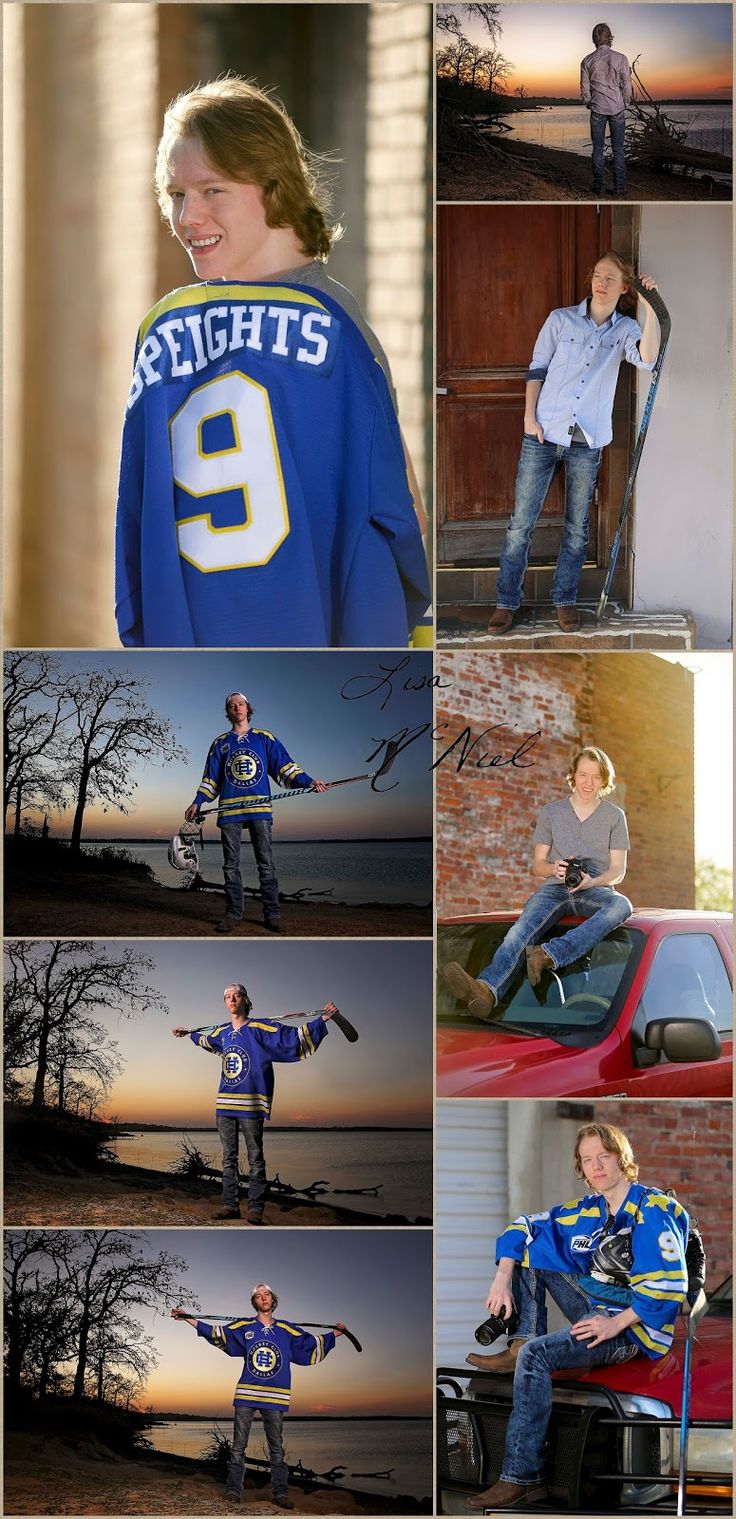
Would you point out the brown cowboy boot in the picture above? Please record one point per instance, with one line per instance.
(508, 1495)
(568, 619)
(537, 962)
(501, 620)
(504, 1360)
(479, 997)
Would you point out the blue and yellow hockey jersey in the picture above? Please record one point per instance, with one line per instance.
(263, 498)
(247, 1053)
(268, 1352)
(566, 1239)
(237, 769)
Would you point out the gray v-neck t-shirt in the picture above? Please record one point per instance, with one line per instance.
(559, 826)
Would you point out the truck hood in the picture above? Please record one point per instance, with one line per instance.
(712, 1365)
(466, 1058)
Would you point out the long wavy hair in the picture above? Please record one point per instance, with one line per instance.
(627, 303)
(248, 136)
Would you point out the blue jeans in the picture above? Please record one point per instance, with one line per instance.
(229, 1127)
(273, 1424)
(602, 908)
(260, 830)
(617, 126)
(543, 1354)
(538, 465)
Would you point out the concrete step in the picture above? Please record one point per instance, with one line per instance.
(466, 624)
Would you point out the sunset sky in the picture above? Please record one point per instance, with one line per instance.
(379, 1284)
(384, 988)
(298, 698)
(685, 50)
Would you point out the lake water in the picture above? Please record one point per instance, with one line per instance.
(400, 1160)
(568, 127)
(357, 872)
(361, 1445)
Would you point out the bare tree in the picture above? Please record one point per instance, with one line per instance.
(521, 91)
(453, 59)
(93, 1279)
(106, 1275)
(497, 70)
(36, 710)
(451, 18)
(120, 1358)
(113, 726)
(52, 988)
(78, 1052)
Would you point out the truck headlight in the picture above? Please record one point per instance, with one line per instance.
(709, 1450)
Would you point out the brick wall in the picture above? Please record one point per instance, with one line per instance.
(688, 1146)
(635, 706)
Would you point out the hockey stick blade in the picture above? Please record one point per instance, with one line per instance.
(345, 1027)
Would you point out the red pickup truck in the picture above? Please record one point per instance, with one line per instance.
(648, 1013)
(613, 1433)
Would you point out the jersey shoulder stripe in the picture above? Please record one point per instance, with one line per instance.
(199, 295)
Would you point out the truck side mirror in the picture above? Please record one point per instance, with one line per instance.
(682, 1039)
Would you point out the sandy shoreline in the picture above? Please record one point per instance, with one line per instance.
(120, 1196)
(95, 905)
(526, 171)
(59, 1476)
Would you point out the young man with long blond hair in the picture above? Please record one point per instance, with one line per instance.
(585, 827)
(614, 1263)
(568, 420)
(264, 495)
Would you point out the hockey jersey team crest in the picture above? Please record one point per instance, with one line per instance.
(247, 1055)
(269, 1351)
(263, 498)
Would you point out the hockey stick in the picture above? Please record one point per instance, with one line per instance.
(392, 749)
(222, 1318)
(697, 1312)
(338, 1018)
(654, 299)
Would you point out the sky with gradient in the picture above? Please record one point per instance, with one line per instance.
(378, 1283)
(684, 50)
(385, 989)
(323, 708)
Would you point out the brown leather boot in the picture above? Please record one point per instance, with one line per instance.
(508, 1495)
(569, 619)
(537, 962)
(501, 620)
(479, 997)
(504, 1361)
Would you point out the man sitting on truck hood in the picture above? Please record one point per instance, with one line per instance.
(614, 1262)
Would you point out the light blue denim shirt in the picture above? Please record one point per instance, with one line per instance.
(579, 363)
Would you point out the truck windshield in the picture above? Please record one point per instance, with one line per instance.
(566, 1004)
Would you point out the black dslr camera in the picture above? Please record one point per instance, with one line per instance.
(491, 1329)
(575, 872)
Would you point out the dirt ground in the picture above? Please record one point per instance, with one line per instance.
(56, 1476)
(110, 906)
(132, 1196)
(525, 171)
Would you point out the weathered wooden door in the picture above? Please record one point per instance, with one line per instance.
(500, 271)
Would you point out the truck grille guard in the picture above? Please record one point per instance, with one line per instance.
(471, 1434)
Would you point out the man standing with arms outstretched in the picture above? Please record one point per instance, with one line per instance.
(269, 1348)
(248, 1047)
(605, 88)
